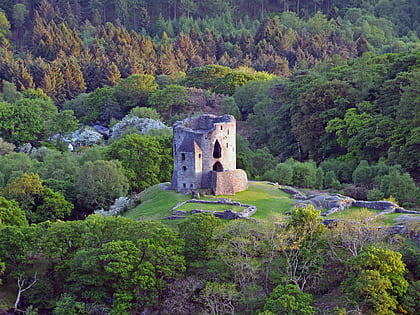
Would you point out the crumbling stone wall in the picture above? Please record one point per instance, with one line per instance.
(229, 182)
(203, 146)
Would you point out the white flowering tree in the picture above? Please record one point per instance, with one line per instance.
(86, 137)
(133, 124)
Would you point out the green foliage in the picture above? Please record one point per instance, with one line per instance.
(4, 26)
(376, 278)
(171, 99)
(205, 77)
(15, 165)
(146, 160)
(411, 299)
(331, 181)
(20, 123)
(400, 186)
(363, 175)
(288, 299)
(99, 183)
(127, 260)
(197, 232)
(11, 213)
(229, 107)
(67, 305)
(145, 112)
(90, 107)
(53, 207)
(40, 203)
(228, 83)
(9, 93)
(134, 91)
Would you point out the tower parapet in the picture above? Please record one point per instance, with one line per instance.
(205, 155)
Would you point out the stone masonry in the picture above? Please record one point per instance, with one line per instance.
(205, 156)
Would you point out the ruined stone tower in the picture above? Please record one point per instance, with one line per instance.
(205, 155)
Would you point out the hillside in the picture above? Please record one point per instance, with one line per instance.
(325, 94)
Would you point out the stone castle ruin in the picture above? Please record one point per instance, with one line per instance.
(205, 156)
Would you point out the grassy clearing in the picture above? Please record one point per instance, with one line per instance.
(353, 213)
(157, 202)
(389, 219)
(357, 213)
(268, 199)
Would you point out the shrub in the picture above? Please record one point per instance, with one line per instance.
(375, 194)
(331, 181)
(359, 193)
(289, 300)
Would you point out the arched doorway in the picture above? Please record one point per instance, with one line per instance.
(218, 167)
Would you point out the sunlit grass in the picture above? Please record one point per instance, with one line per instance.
(157, 202)
(354, 213)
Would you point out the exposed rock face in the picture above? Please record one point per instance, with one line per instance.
(378, 205)
(336, 202)
(296, 193)
(205, 156)
(332, 202)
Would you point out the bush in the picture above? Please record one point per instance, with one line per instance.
(358, 193)
(145, 112)
(400, 186)
(289, 300)
(331, 181)
(342, 170)
(363, 174)
(284, 174)
(375, 194)
(304, 174)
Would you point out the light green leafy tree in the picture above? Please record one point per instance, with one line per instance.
(146, 160)
(376, 279)
(99, 183)
(197, 232)
(134, 90)
(172, 99)
(11, 213)
(289, 300)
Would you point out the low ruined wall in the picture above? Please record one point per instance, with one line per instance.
(227, 214)
(229, 182)
(377, 205)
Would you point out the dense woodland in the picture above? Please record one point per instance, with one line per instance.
(326, 95)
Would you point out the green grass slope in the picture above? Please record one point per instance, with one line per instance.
(156, 202)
